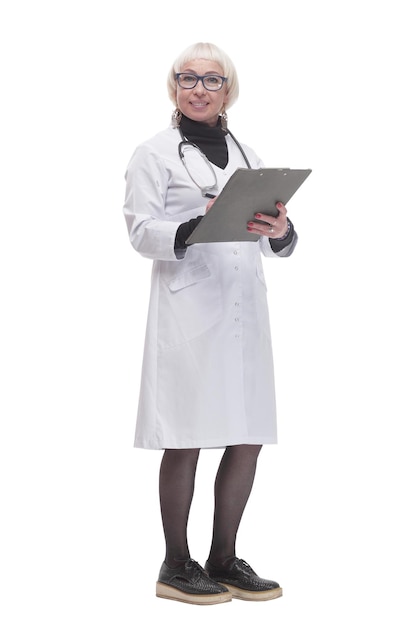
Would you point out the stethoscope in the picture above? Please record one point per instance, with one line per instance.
(186, 145)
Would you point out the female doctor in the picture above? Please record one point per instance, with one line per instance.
(207, 375)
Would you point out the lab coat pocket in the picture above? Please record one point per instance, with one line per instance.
(193, 306)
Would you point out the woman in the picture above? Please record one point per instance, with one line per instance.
(207, 375)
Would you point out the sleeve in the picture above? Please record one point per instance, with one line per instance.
(183, 232)
(280, 247)
(150, 233)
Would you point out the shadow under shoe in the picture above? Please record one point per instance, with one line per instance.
(243, 582)
(190, 583)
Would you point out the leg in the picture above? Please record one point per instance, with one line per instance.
(233, 486)
(181, 578)
(232, 489)
(177, 479)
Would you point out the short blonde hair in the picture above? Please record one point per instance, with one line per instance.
(210, 52)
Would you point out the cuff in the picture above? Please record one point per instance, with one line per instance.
(183, 232)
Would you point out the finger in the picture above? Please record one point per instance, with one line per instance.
(275, 223)
(210, 204)
(261, 229)
(281, 208)
(265, 217)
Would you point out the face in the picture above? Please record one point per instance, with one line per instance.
(198, 103)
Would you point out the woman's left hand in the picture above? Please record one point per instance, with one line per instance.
(273, 227)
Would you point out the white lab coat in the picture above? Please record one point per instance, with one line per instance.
(207, 371)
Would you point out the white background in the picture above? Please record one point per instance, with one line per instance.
(328, 85)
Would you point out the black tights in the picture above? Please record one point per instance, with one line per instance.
(233, 485)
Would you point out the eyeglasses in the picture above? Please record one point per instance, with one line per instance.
(211, 82)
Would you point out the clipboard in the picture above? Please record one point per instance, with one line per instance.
(247, 192)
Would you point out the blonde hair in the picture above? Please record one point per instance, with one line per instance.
(210, 52)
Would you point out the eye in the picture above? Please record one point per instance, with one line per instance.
(213, 80)
(188, 78)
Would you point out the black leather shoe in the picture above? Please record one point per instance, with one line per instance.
(190, 583)
(243, 582)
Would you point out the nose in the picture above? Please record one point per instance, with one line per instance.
(199, 87)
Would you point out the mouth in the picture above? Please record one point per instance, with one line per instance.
(199, 105)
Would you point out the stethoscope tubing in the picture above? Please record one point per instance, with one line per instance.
(186, 142)
(204, 190)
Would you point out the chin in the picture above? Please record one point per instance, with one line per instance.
(203, 117)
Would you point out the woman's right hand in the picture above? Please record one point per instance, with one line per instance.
(210, 204)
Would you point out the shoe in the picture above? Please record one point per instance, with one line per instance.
(243, 582)
(190, 583)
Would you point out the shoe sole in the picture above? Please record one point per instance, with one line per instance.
(171, 593)
(257, 596)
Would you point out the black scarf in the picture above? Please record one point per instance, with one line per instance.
(210, 139)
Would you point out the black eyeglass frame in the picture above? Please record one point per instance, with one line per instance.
(202, 78)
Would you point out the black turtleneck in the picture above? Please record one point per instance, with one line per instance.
(210, 139)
